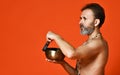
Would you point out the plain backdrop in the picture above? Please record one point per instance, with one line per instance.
(23, 28)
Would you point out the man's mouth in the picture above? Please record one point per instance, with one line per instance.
(82, 27)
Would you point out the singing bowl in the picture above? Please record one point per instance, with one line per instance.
(54, 54)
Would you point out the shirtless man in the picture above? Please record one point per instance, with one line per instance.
(92, 55)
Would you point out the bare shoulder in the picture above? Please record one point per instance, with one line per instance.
(97, 43)
(91, 48)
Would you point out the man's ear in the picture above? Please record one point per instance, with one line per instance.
(97, 22)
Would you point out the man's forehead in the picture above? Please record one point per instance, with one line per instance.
(87, 13)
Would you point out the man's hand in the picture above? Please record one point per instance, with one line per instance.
(51, 36)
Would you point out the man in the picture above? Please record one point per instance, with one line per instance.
(92, 55)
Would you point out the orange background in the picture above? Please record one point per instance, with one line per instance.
(23, 28)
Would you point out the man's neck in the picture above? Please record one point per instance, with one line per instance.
(94, 34)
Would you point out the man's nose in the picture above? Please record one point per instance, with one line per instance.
(80, 21)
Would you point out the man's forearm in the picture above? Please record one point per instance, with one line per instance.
(70, 70)
(66, 48)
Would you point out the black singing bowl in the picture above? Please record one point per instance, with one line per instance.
(54, 54)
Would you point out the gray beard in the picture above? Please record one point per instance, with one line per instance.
(86, 31)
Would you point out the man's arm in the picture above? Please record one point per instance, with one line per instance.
(65, 47)
(68, 68)
(90, 49)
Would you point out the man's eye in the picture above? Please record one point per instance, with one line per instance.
(84, 18)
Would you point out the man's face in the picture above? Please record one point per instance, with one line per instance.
(87, 22)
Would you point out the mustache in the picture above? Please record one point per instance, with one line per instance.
(82, 26)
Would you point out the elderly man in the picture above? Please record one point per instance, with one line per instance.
(91, 57)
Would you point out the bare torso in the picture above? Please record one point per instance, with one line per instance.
(93, 65)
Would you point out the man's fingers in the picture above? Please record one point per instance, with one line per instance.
(50, 60)
(48, 39)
